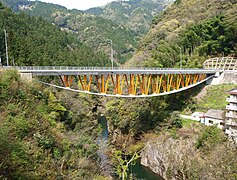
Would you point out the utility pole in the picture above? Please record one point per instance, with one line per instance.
(180, 58)
(111, 53)
(5, 32)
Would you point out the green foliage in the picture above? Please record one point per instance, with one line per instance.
(37, 140)
(8, 84)
(122, 162)
(86, 146)
(34, 41)
(129, 115)
(178, 1)
(91, 30)
(126, 20)
(1, 6)
(176, 121)
(193, 38)
(215, 97)
(135, 116)
(188, 123)
(14, 160)
(134, 14)
(209, 138)
(214, 37)
(45, 142)
(54, 104)
(211, 38)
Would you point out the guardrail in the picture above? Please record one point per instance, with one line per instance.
(49, 68)
(95, 68)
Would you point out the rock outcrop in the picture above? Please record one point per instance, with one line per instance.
(167, 156)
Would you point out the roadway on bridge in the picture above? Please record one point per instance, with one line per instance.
(60, 70)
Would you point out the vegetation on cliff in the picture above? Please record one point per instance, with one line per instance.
(45, 134)
(130, 119)
(196, 152)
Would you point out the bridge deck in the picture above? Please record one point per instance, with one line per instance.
(142, 82)
(59, 70)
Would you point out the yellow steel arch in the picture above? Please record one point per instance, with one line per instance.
(130, 84)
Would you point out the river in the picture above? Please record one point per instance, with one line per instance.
(141, 172)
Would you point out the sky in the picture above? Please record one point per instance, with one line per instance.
(79, 4)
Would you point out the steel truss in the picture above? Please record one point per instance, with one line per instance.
(130, 84)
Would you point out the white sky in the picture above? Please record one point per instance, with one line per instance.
(79, 4)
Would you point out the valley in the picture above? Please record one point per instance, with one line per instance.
(51, 133)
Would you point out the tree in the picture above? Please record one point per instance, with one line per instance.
(122, 161)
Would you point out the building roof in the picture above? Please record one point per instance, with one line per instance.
(200, 114)
(233, 91)
(216, 114)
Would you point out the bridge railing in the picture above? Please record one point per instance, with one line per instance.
(222, 63)
(93, 68)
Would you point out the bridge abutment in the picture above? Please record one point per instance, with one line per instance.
(223, 78)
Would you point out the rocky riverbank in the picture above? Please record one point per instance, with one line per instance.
(167, 156)
(195, 153)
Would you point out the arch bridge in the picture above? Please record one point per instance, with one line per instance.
(133, 82)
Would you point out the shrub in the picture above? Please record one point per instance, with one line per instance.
(210, 137)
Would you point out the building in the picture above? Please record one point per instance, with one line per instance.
(215, 117)
(198, 116)
(231, 115)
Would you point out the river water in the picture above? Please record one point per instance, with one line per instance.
(141, 172)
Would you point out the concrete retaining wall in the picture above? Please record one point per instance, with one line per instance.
(224, 78)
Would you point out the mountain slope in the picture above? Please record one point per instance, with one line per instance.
(134, 14)
(197, 29)
(34, 41)
(97, 32)
(91, 30)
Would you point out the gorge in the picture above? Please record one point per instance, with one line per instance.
(47, 133)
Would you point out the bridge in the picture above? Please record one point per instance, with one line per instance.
(132, 82)
(224, 63)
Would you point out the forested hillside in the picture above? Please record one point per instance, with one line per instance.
(134, 14)
(45, 134)
(193, 29)
(46, 8)
(91, 30)
(97, 32)
(50, 134)
(34, 41)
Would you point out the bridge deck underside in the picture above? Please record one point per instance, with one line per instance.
(130, 84)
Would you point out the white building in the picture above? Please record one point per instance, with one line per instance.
(215, 117)
(198, 116)
(231, 115)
